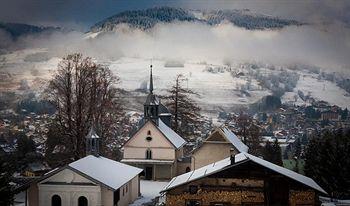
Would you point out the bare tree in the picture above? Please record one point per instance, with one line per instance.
(186, 113)
(84, 94)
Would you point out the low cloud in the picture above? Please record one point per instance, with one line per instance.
(328, 48)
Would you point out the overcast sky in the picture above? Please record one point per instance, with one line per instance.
(82, 14)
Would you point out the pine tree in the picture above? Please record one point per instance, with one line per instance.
(186, 113)
(6, 195)
(250, 132)
(327, 161)
(272, 153)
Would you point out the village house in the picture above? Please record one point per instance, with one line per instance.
(92, 180)
(242, 179)
(220, 143)
(155, 147)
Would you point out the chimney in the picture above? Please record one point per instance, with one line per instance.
(232, 158)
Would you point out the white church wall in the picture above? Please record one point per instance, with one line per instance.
(69, 194)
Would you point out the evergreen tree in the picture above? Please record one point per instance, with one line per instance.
(186, 113)
(251, 133)
(272, 153)
(6, 195)
(327, 161)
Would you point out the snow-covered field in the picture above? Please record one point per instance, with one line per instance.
(214, 89)
(218, 89)
(149, 190)
(318, 89)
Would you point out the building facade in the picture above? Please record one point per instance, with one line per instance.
(221, 143)
(90, 181)
(242, 179)
(155, 147)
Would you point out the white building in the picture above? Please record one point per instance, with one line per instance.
(93, 180)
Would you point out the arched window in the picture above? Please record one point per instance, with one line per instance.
(82, 201)
(149, 132)
(148, 154)
(56, 200)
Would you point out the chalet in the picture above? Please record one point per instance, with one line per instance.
(221, 143)
(155, 147)
(242, 179)
(92, 180)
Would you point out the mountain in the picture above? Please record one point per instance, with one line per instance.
(146, 19)
(16, 29)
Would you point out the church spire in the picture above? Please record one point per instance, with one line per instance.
(92, 143)
(151, 82)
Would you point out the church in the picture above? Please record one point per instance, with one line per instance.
(92, 180)
(155, 147)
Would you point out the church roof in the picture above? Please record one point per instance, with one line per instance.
(152, 99)
(240, 158)
(106, 171)
(171, 135)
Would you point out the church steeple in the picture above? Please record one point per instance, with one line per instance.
(151, 106)
(92, 143)
(151, 81)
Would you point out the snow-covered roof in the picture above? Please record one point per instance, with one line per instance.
(106, 171)
(152, 161)
(237, 143)
(239, 158)
(171, 135)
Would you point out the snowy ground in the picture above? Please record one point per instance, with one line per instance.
(318, 89)
(149, 190)
(213, 88)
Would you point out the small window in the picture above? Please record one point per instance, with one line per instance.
(149, 132)
(149, 139)
(148, 154)
(123, 191)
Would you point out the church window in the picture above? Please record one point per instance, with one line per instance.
(56, 200)
(149, 139)
(82, 201)
(149, 132)
(148, 154)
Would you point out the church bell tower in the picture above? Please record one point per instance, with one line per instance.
(151, 106)
(92, 143)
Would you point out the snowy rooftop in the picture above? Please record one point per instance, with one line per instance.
(108, 172)
(172, 136)
(241, 147)
(223, 164)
